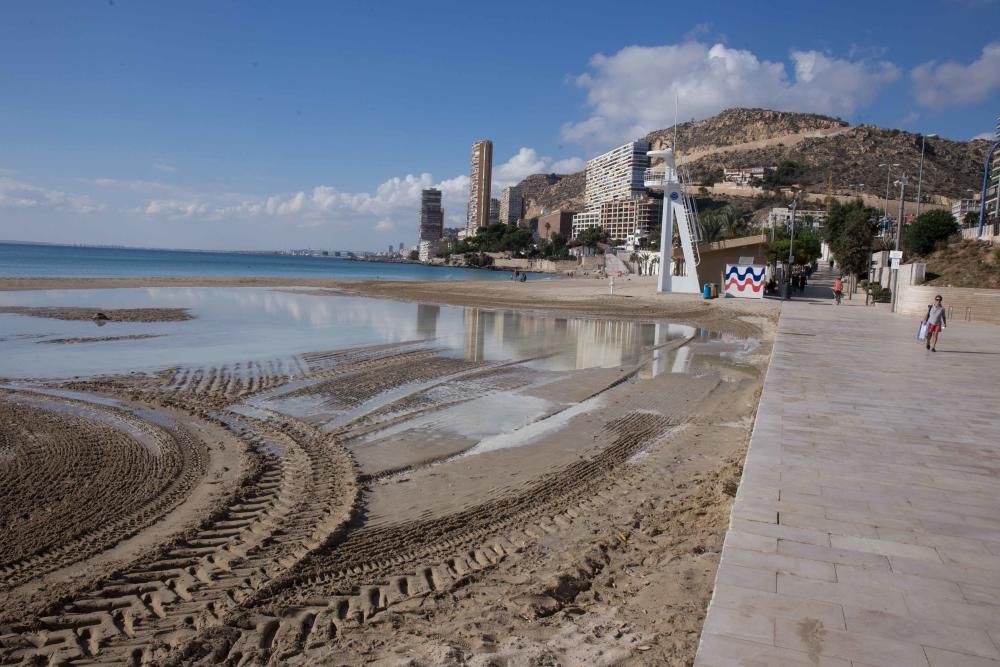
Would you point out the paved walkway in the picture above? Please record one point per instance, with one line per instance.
(866, 530)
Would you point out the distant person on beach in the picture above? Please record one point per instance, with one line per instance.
(936, 319)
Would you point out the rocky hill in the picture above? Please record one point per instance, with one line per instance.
(828, 152)
(544, 193)
(733, 127)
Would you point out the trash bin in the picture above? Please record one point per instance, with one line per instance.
(706, 291)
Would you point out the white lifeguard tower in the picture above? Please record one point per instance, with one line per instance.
(677, 206)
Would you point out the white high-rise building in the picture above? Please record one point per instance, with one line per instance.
(511, 205)
(992, 201)
(617, 176)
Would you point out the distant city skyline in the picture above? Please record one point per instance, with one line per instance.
(264, 127)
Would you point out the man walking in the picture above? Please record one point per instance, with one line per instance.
(936, 319)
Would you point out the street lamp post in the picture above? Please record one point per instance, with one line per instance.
(899, 233)
(888, 172)
(920, 174)
(902, 189)
(791, 245)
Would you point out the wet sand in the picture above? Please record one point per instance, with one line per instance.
(387, 504)
(634, 298)
(103, 314)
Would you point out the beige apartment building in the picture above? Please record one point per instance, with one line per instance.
(616, 196)
(511, 205)
(480, 181)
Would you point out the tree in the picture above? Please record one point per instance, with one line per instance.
(806, 248)
(971, 219)
(928, 229)
(711, 226)
(414, 255)
(786, 173)
(853, 249)
(591, 236)
(849, 231)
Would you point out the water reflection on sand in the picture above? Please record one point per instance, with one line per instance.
(233, 325)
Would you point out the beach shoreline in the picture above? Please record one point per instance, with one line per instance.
(634, 298)
(391, 501)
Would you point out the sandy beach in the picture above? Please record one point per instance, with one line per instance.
(391, 503)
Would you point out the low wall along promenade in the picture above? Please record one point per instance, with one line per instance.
(963, 304)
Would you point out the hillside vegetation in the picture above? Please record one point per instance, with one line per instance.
(825, 150)
(964, 264)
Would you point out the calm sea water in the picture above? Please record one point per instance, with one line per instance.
(32, 261)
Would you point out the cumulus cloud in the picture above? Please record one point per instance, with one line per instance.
(18, 194)
(954, 84)
(632, 92)
(526, 162)
(394, 205)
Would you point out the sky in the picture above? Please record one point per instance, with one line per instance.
(264, 125)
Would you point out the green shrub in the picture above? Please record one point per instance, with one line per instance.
(928, 230)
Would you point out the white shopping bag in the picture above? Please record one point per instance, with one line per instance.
(922, 331)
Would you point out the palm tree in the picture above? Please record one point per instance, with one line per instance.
(734, 221)
(634, 260)
(712, 226)
(548, 227)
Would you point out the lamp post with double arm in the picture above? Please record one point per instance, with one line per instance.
(920, 173)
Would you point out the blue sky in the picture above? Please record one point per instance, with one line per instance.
(293, 124)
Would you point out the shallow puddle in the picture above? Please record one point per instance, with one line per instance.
(272, 327)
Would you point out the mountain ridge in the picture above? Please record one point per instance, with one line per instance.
(828, 150)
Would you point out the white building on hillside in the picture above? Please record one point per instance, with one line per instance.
(782, 217)
(963, 206)
(745, 176)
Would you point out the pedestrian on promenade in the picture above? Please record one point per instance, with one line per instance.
(936, 319)
(838, 289)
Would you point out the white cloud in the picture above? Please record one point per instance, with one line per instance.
(569, 165)
(632, 92)
(18, 194)
(394, 205)
(526, 162)
(909, 118)
(953, 84)
(163, 166)
(983, 135)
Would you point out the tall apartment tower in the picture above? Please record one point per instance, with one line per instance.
(616, 192)
(992, 201)
(618, 174)
(494, 210)
(431, 215)
(511, 205)
(480, 181)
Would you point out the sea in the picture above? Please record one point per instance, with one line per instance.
(19, 260)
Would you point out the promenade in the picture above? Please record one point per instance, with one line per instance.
(866, 530)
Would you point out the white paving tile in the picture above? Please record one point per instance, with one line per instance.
(880, 460)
